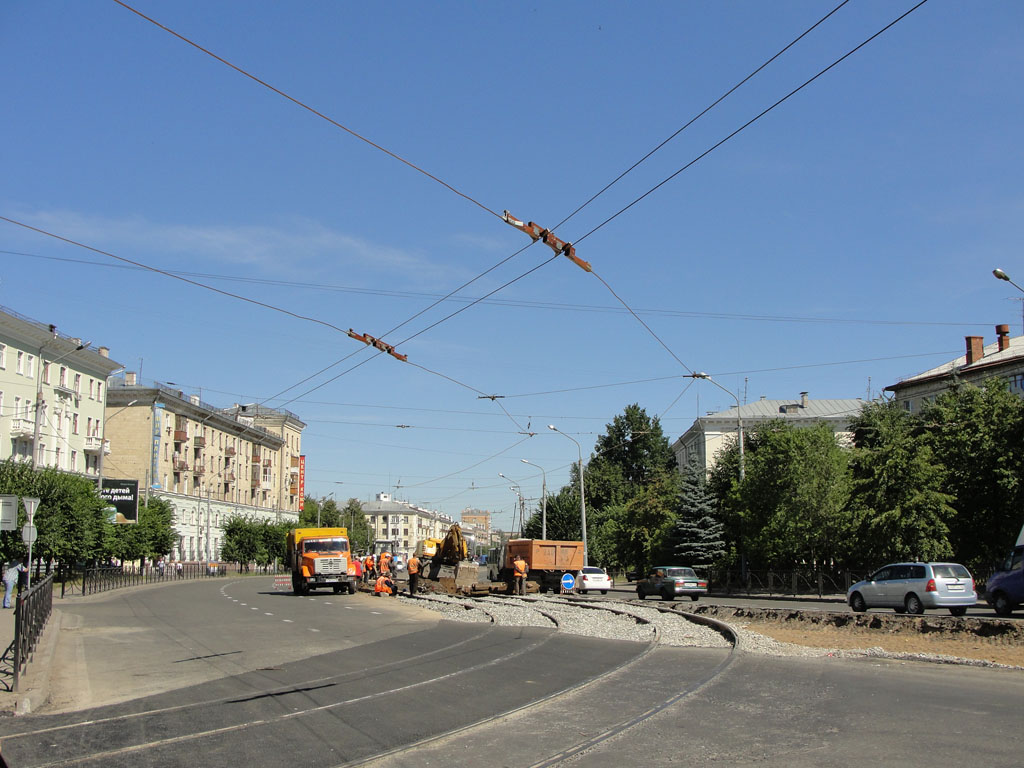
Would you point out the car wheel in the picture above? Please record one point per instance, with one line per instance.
(583, 591)
(669, 596)
(857, 603)
(695, 598)
(1002, 604)
(960, 610)
(604, 591)
(912, 604)
(640, 594)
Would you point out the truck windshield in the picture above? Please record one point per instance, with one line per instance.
(325, 545)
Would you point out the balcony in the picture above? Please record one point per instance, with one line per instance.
(229, 477)
(180, 465)
(199, 470)
(268, 463)
(199, 441)
(230, 451)
(293, 489)
(257, 457)
(266, 485)
(22, 428)
(95, 444)
(180, 436)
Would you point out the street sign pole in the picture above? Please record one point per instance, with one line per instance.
(28, 533)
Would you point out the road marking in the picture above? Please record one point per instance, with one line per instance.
(288, 620)
(349, 608)
(375, 613)
(313, 630)
(268, 614)
(243, 603)
(254, 608)
(327, 603)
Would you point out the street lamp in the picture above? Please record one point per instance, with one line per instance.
(543, 499)
(1003, 276)
(39, 396)
(583, 505)
(739, 417)
(519, 492)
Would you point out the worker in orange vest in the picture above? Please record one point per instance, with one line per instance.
(521, 569)
(384, 586)
(368, 568)
(384, 563)
(414, 565)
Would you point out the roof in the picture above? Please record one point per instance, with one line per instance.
(992, 356)
(764, 410)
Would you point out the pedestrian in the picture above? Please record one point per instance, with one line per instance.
(12, 572)
(357, 563)
(384, 586)
(384, 563)
(160, 566)
(368, 574)
(521, 569)
(414, 566)
(179, 569)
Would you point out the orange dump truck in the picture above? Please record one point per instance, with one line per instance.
(320, 558)
(548, 561)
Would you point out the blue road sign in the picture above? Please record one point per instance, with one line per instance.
(568, 582)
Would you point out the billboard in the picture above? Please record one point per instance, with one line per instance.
(122, 497)
(302, 483)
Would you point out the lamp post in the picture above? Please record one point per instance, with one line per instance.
(739, 417)
(519, 492)
(543, 499)
(583, 505)
(39, 396)
(1003, 276)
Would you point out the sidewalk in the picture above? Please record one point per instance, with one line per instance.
(34, 685)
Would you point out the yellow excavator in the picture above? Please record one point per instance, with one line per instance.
(450, 567)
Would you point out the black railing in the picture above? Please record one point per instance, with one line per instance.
(103, 579)
(798, 582)
(31, 613)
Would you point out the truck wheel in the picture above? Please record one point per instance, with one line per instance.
(351, 588)
(337, 588)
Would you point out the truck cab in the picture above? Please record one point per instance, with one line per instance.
(320, 558)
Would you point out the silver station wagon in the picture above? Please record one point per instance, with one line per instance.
(914, 587)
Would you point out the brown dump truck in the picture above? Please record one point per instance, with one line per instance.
(548, 561)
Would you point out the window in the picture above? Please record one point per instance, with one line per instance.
(74, 424)
(92, 388)
(2, 404)
(74, 460)
(30, 366)
(20, 369)
(78, 383)
(62, 380)
(3, 355)
(99, 391)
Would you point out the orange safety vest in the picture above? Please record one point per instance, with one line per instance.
(382, 586)
(368, 562)
(521, 567)
(414, 565)
(384, 562)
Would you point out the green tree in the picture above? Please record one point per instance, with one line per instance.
(897, 501)
(326, 509)
(360, 535)
(244, 541)
(977, 433)
(791, 508)
(697, 538)
(563, 515)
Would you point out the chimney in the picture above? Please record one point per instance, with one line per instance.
(803, 399)
(975, 349)
(129, 378)
(1003, 336)
(104, 351)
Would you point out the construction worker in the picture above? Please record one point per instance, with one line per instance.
(384, 586)
(368, 569)
(521, 569)
(414, 567)
(384, 563)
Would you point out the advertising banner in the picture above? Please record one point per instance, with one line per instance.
(302, 483)
(122, 497)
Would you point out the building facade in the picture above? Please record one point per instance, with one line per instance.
(710, 434)
(209, 463)
(403, 523)
(1004, 358)
(52, 390)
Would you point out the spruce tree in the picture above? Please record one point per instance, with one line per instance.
(697, 538)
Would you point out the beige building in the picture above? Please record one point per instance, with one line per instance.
(710, 434)
(1004, 358)
(209, 463)
(52, 388)
(403, 523)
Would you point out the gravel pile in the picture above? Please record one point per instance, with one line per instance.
(581, 621)
(454, 609)
(673, 629)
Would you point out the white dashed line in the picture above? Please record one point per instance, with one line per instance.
(349, 608)
(243, 603)
(289, 621)
(268, 614)
(375, 613)
(313, 630)
(254, 608)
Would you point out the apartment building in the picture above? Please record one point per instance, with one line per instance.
(404, 523)
(209, 463)
(67, 378)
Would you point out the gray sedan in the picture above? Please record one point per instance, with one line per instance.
(913, 587)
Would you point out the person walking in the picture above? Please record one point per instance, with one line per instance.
(414, 567)
(12, 572)
(521, 569)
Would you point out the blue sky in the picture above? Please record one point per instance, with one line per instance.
(842, 242)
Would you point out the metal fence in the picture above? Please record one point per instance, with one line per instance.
(796, 582)
(32, 611)
(103, 579)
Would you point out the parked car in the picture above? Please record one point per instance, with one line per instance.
(915, 587)
(594, 578)
(671, 581)
(1005, 588)
(632, 575)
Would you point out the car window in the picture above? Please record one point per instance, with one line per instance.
(679, 572)
(916, 572)
(1016, 559)
(591, 569)
(882, 574)
(951, 571)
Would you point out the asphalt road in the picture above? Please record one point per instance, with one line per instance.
(229, 672)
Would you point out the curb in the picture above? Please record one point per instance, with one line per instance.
(35, 683)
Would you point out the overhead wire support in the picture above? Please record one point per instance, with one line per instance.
(373, 341)
(559, 246)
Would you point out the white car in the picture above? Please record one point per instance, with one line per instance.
(594, 578)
